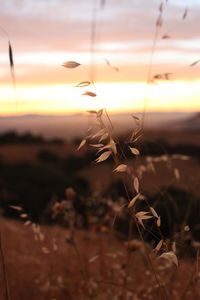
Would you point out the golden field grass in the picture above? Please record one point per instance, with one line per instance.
(109, 269)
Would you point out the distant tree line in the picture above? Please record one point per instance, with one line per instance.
(12, 137)
(155, 148)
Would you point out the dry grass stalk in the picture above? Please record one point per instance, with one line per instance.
(5, 278)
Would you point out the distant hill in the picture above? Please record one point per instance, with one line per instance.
(72, 126)
(193, 123)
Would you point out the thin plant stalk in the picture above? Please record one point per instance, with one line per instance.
(11, 63)
(5, 278)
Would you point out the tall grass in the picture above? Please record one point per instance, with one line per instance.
(101, 137)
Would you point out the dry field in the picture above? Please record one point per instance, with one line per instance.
(163, 176)
(99, 267)
(174, 137)
(28, 153)
(44, 264)
(151, 182)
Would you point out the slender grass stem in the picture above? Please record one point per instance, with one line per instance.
(7, 294)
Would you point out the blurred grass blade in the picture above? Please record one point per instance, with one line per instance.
(71, 64)
(12, 69)
(90, 94)
(185, 13)
(10, 56)
(83, 84)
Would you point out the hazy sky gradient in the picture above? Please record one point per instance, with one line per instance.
(45, 33)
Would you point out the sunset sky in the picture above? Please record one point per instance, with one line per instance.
(112, 40)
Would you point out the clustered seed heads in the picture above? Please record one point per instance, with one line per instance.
(39, 236)
(107, 147)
